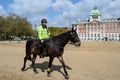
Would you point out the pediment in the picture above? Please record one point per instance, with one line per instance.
(95, 21)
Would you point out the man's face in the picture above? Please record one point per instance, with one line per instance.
(44, 24)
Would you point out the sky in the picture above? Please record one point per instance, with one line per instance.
(58, 12)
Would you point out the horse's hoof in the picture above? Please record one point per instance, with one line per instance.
(66, 77)
(36, 72)
(48, 75)
(22, 69)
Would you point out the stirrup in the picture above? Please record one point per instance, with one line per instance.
(41, 56)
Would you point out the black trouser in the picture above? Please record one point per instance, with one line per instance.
(41, 48)
(43, 45)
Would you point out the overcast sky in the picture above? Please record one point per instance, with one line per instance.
(58, 12)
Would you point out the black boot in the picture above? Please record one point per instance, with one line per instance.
(41, 55)
(41, 52)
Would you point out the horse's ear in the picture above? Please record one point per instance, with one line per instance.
(74, 27)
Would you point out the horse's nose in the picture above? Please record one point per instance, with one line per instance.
(78, 44)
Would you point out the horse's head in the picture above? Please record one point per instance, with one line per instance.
(74, 37)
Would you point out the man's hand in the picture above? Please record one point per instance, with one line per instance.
(42, 41)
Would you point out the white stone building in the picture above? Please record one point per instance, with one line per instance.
(97, 29)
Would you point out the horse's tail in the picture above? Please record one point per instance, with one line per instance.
(28, 48)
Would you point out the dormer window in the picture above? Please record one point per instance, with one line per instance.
(95, 17)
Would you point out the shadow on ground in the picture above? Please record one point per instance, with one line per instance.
(43, 66)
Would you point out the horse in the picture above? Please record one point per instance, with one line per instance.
(54, 47)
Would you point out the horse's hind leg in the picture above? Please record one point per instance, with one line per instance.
(29, 58)
(33, 63)
(25, 60)
(64, 67)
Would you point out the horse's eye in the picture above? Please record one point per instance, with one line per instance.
(73, 36)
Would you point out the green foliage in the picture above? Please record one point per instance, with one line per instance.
(56, 30)
(16, 26)
(13, 25)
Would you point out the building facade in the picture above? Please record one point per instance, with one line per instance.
(97, 29)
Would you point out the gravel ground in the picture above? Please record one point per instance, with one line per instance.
(91, 61)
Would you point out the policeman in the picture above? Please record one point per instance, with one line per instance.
(43, 34)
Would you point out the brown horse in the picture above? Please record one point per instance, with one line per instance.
(54, 47)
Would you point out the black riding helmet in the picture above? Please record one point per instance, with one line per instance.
(43, 21)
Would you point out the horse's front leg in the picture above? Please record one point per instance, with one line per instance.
(49, 66)
(25, 60)
(33, 63)
(64, 67)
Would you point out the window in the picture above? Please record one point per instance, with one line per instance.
(83, 30)
(119, 29)
(98, 35)
(91, 35)
(95, 16)
(101, 35)
(106, 35)
(95, 35)
(108, 29)
(115, 35)
(113, 29)
(109, 35)
(119, 24)
(112, 35)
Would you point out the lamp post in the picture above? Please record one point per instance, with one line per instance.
(35, 31)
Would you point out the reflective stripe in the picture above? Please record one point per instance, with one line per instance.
(48, 69)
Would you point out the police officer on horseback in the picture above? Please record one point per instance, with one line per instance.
(43, 34)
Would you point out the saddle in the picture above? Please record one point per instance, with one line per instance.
(44, 46)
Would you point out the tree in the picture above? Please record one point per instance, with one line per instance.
(56, 30)
(14, 25)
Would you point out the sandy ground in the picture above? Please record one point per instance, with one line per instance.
(91, 61)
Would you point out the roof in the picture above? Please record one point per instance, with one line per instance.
(95, 10)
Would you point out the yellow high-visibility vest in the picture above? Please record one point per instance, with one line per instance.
(43, 33)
